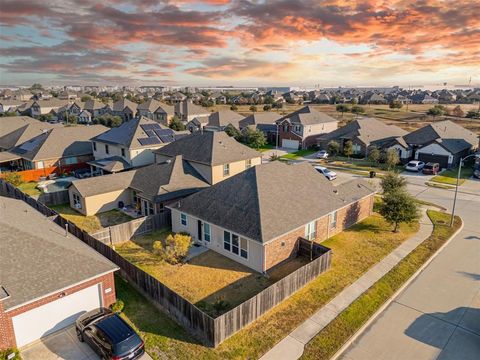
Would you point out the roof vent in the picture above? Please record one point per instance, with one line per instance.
(335, 191)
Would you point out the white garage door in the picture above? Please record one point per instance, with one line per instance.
(39, 322)
(290, 144)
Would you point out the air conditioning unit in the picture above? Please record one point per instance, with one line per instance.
(78, 206)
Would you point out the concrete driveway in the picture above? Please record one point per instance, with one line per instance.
(61, 345)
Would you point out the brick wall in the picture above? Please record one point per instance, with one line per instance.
(286, 246)
(7, 338)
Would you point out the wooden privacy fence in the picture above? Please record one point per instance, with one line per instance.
(123, 232)
(54, 198)
(212, 331)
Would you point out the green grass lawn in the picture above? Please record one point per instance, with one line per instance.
(450, 176)
(266, 147)
(30, 188)
(354, 252)
(297, 154)
(335, 334)
(92, 223)
(205, 278)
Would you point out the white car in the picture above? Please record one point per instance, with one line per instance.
(330, 175)
(322, 154)
(415, 165)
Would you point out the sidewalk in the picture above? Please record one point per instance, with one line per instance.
(291, 347)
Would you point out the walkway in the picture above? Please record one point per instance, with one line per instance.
(292, 346)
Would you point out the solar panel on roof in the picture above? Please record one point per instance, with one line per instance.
(146, 127)
(150, 133)
(166, 138)
(164, 132)
(149, 141)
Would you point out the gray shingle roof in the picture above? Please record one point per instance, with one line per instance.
(307, 116)
(267, 201)
(224, 118)
(36, 258)
(367, 130)
(210, 147)
(60, 142)
(451, 136)
(104, 184)
(15, 130)
(121, 104)
(265, 118)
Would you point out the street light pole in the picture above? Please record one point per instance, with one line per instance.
(456, 185)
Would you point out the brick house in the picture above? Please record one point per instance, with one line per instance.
(300, 129)
(48, 279)
(258, 217)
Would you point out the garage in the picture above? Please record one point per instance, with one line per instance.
(441, 159)
(46, 319)
(290, 144)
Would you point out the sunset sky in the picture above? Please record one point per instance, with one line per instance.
(243, 43)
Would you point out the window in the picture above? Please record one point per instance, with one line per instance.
(183, 219)
(123, 152)
(71, 160)
(244, 248)
(248, 163)
(311, 230)
(235, 244)
(333, 220)
(226, 169)
(285, 128)
(94, 146)
(226, 240)
(106, 149)
(298, 128)
(40, 165)
(150, 208)
(206, 232)
(76, 201)
(135, 197)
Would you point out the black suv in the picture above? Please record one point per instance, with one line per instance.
(109, 335)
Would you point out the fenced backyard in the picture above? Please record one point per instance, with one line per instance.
(212, 331)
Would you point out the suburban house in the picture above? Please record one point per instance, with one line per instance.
(56, 150)
(197, 123)
(10, 105)
(266, 122)
(214, 155)
(129, 145)
(258, 216)
(145, 190)
(43, 107)
(365, 133)
(187, 111)
(124, 108)
(443, 142)
(22, 94)
(48, 279)
(97, 108)
(219, 120)
(300, 129)
(84, 117)
(157, 111)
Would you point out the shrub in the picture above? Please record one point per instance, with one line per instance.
(14, 178)
(5, 353)
(117, 306)
(157, 248)
(175, 248)
(375, 155)
(348, 148)
(391, 158)
(234, 107)
(267, 107)
(333, 148)
(399, 206)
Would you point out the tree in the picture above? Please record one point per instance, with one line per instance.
(391, 158)
(395, 104)
(374, 155)
(435, 111)
(398, 207)
(115, 121)
(473, 114)
(333, 148)
(176, 124)
(175, 248)
(357, 110)
(8, 113)
(254, 138)
(232, 131)
(348, 148)
(458, 112)
(392, 181)
(36, 86)
(267, 107)
(13, 178)
(84, 98)
(71, 119)
(234, 107)
(342, 108)
(253, 108)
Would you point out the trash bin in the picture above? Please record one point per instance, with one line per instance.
(372, 174)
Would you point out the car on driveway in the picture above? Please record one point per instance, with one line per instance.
(431, 168)
(109, 335)
(322, 154)
(415, 165)
(330, 175)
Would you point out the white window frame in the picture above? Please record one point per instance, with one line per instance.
(333, 219)
(226, 169)
(207, 235)
(183, 219)
(72, 160)
(40, 165)
(242, 240)
(227, 241)
(311, 230)
(241, 244)
(248, 163)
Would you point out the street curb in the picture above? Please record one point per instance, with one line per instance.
(394, 296)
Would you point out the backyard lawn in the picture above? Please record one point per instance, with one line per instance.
(450, 176)
(354, 252)
(30, 188)
(92, 223)
(297, 154)
(207, 277)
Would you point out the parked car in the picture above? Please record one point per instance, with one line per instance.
(322, 154)
(109, 335)
(431, 168)
(330, 175)
(82, 173)
(415, 165)
(476, 170)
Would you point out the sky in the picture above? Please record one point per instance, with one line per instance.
(303, 43)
